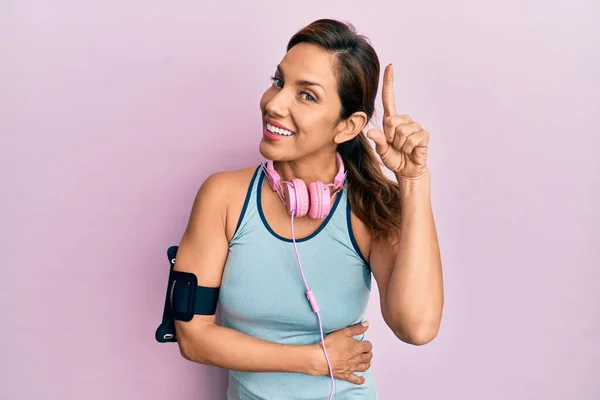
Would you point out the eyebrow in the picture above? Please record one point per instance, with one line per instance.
(301, 82)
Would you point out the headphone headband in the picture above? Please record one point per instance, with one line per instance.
(275, 180)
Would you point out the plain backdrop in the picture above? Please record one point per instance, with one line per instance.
(112, 113)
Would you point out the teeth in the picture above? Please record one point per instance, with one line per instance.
(278, 131)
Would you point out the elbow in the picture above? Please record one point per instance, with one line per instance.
(188, 347)
(192, 341)
(186, 350)
(415, 328)
(190, 352)
(416, 339)
(417, 334)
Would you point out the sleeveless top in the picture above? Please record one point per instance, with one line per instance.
(263, 295)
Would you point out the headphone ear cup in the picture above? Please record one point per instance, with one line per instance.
(296, 198)
(320, 200)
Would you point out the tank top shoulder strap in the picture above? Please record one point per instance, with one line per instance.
(341, 223)
(249, 213)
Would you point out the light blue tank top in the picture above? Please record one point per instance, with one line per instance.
(262, 294)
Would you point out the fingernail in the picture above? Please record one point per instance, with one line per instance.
(365, 323)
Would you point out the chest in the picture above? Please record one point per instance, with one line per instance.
(263, 286)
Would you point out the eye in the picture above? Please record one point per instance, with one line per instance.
(277, 81)
(308, 97)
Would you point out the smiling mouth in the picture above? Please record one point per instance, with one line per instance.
(279, 131)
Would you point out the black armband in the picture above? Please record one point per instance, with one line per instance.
(183, 300)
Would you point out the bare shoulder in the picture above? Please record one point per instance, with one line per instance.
(227, 183)
(213, 209)
(229, 189)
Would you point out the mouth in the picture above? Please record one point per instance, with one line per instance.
(277, 130)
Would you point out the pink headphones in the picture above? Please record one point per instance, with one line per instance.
(300, 200)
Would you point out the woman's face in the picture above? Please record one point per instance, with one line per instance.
(301, 108)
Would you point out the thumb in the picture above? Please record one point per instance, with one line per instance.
(381, 144)
(357, 329)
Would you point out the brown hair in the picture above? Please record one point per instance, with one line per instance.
(374, 198)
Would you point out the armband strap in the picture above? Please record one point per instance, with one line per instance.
(189, 298)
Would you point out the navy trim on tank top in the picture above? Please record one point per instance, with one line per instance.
(246, 201)
(268, 227)
(351, 232)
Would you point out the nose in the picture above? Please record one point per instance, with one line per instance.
(278, 106)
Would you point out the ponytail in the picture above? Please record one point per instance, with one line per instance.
(374, 198)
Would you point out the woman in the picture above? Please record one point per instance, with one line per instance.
(266, 256)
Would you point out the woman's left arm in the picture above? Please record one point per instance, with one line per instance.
(409, 271)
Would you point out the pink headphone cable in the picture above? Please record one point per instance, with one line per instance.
(315, 307)
(309, 294)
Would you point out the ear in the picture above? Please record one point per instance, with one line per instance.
(350, 127)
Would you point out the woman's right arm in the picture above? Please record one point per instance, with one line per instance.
(203, 251)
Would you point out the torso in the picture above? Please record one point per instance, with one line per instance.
(263, 293)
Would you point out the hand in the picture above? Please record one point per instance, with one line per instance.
(346, 354)
(402, 145)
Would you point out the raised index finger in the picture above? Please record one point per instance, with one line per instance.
(387, 92)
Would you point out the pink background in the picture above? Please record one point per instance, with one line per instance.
(113, 112)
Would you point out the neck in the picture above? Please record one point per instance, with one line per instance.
(316, 167)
